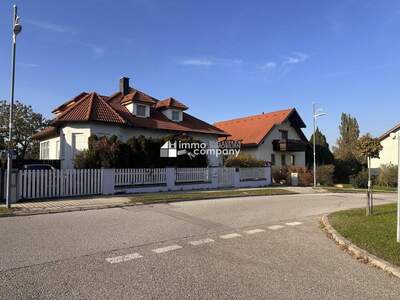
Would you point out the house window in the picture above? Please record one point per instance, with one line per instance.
(176, 115)
(283, 160)
(292, 160)
(273, 159)
(44, 150)
(141, 110)
(284, 134)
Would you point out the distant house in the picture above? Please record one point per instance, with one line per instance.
(274, 137)
(389, 153)
(128, 112)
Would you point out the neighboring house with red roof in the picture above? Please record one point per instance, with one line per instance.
(128, 112)
(389, 153)
(274, 137)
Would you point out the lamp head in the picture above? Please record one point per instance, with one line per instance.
(393, 135)
(17, 27)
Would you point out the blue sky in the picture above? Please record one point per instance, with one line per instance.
(223, 59)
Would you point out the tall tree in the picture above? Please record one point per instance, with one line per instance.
(26, 123)
(347, 141)
(346, 157)
(323, 153)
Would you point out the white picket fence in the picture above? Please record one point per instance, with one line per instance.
(185, 175)
(44, 184)
(35, 184)
(144, 176)
(252, 173)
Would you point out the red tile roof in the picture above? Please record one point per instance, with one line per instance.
(252, 130)
(46, 133)
(93, 107)
(170, 103)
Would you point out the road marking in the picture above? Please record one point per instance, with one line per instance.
(202, 241)
(123, 258)
(166, 249)
(293, 223)
(253, 231)
(230, 236)
(275, 227)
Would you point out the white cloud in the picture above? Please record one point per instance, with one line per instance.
(28, 65)
(295, 58)
(268, 65)
(197, 62)
(48, 26)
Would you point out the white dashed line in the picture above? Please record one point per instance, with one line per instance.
(230, 236)
(166, 249)
(253, 231)
(199, 242)
(123, 258)
(275, 227)
(293, 223)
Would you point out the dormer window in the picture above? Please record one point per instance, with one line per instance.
(176, 115)
(172, 109)
(141, 110)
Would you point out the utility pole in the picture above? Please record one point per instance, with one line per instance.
(316, 114)
(395, 136)
(16, 30)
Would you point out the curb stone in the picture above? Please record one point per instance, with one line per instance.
(357, 252)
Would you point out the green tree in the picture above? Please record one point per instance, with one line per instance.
(349, 133)
(346, 156)
(26, 123)
(368, 147)
(323, 153)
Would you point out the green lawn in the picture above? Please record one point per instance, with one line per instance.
(353, 190)
(376, 234)
(198, 195)
(4, 211)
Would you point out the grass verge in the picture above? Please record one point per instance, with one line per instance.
(376, 233)
(4, 212)
(353, 190)
(199, 195)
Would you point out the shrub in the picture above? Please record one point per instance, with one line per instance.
(305, 176)
(279, 174)
(325, 174)
(360, 180)
(244, 161)
(345, 169)
(136, 152)
(388, 175)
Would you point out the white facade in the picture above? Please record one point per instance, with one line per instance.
(74, 138)
(389, 153)
(264, 150)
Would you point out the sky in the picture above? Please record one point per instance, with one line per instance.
(223, 59)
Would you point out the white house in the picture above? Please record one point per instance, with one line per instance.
(128, 112)
(274, 137)
(389, 152)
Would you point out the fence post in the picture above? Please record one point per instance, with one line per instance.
(236, 178)
(14, 186)
(213, 176)
(108, 184)
(170, 176)
(268, 176)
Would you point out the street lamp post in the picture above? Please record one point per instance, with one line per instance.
(397, 136)
(316, 114)
(16, 30)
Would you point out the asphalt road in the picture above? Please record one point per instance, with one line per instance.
(239, 248)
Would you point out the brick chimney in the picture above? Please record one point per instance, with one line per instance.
(124, 85)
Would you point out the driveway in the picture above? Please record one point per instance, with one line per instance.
(242, 248)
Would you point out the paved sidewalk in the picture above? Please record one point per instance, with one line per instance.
(50, 205)
(81, 203)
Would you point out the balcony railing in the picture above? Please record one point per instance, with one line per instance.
(289, 145)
